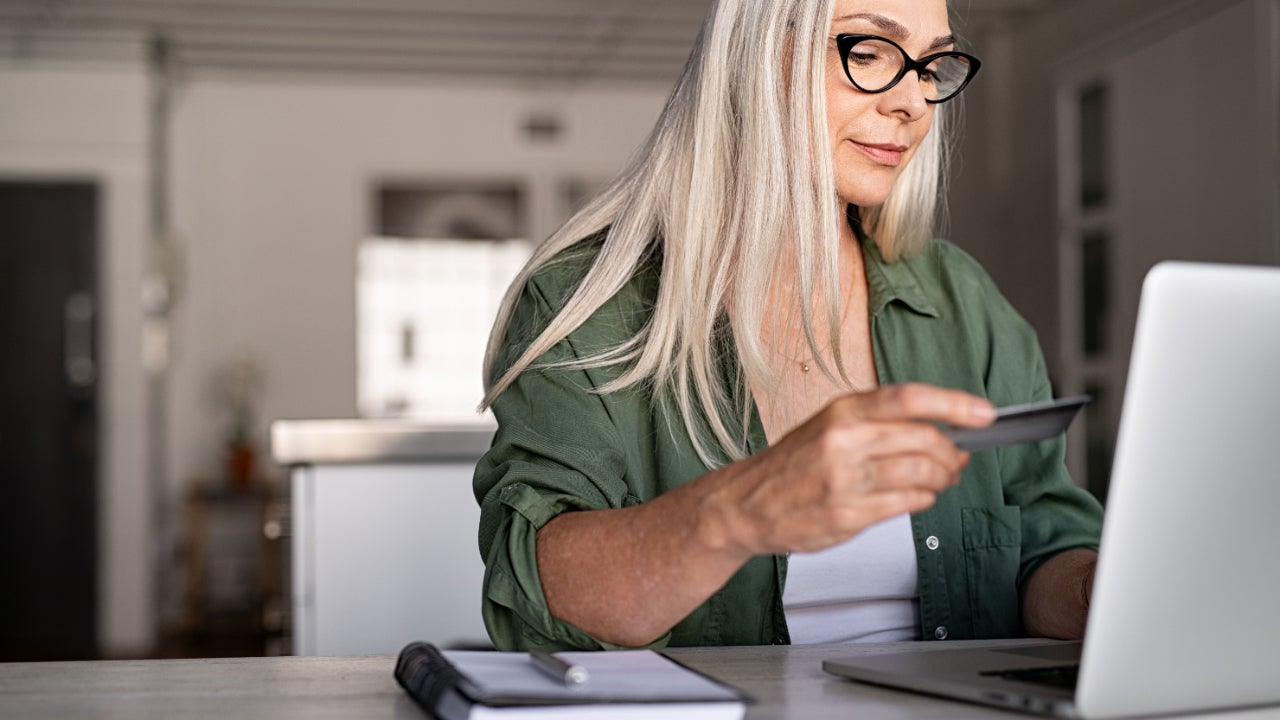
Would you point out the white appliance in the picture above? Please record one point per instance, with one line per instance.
(384, 534)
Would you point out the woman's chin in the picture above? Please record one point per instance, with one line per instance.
(870, 188)
(863, 200)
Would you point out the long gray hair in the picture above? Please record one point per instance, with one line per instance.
(735, 181)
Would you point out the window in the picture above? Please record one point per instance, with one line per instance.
(428, 288)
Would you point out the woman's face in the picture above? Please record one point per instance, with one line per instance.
(874, 136)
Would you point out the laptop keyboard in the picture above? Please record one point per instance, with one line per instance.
(1063, 676)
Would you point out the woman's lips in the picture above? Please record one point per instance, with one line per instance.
(884, 153)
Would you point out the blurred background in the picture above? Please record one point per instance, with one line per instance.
(219, 213)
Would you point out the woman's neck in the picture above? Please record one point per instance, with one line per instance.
(802, 386)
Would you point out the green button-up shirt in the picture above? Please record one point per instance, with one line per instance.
(936, 318)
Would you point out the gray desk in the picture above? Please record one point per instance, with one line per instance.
(787, 681)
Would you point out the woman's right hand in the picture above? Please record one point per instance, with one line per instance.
(863, 459)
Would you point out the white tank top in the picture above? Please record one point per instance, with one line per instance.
(862, 590)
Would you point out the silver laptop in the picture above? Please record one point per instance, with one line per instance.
(1186, 602)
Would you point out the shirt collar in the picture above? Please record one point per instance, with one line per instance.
(889, 282)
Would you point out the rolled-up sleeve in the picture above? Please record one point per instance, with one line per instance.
(556, 450)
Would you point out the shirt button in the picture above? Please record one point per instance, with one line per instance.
(931, 542)
(940, 632)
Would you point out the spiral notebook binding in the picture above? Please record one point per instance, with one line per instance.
(426, 673)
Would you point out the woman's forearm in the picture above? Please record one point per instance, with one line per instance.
(627, 576)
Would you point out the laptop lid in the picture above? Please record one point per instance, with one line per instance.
(1184, 611)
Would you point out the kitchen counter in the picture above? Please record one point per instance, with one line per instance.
(298, 442)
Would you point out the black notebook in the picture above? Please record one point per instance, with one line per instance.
(474, 684)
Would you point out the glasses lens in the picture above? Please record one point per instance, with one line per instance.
(873, 64)
(944, 77)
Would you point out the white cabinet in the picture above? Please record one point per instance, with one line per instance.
(384, 534)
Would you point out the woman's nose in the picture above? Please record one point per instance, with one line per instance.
(905, 99)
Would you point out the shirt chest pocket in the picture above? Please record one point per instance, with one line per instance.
(992, 554)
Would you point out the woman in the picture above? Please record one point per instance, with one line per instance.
(718, 385)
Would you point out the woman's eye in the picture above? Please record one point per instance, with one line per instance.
(867, 54)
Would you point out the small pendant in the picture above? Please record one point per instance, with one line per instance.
(804, 367)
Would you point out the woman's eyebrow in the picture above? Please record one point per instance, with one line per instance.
(942, 41)
(895, 30)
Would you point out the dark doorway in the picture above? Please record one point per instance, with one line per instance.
(48, 420)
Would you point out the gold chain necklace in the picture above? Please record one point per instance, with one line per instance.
(804, 362)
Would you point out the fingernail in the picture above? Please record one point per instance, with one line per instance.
(983, 410)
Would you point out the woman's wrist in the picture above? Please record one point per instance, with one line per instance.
(718, 524)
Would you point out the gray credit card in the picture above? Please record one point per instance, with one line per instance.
(1016, 424)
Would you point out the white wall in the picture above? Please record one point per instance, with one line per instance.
(66, 122)
(274, 184)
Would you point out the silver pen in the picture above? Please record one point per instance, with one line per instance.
(558, 669)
